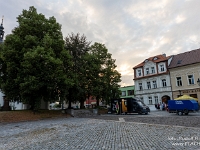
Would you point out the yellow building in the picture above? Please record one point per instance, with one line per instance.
(184, 74)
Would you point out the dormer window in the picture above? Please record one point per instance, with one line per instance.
(179, 62)
(162, 68)
(139, 73)
(152, 70)
(155, 58)
(147, 70)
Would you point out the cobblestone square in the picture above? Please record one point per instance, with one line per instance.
(96, 134)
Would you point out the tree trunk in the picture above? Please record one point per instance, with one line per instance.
(70, 105)
(97, 102)
(70, 99)
(82, 104)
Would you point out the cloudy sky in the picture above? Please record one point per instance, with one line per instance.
(132, 30)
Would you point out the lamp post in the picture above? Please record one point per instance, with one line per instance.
(179, 92)
(198, 81)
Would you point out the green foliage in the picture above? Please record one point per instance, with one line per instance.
(78, 48)
(35, 59)
(37, 64)
(94, 70)
(105, 86)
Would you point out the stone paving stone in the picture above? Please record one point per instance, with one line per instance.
(94, 134)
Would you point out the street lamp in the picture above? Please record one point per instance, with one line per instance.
(198, 81)
(179, 92)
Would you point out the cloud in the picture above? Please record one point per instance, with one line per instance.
(131, 30)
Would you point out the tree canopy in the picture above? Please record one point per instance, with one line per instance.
(94, 69)
(34, 55)
(38, 64)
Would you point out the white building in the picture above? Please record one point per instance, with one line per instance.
(1, 99)
(13, 105)
(152, 80)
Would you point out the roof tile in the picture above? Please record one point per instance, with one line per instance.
(187, 58)
(161, 58)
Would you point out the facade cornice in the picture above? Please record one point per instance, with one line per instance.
(152, 75)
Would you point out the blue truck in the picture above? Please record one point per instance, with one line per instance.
(182, 106)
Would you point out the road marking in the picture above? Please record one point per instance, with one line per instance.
(121, 120)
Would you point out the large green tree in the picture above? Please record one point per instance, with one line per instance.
(36, 61)
(93, 70)
(78, 47)
(106, 78)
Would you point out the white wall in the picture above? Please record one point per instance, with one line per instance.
(160, 91)
(18, 106)
(1, 99)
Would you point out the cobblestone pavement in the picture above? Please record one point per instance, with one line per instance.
(157, 117)
(96, 134)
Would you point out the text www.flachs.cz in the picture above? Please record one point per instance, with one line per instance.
(186, 144)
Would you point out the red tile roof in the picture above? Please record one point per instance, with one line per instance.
(160, 58)
(186, 58)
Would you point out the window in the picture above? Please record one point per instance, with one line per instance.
(190, 79)
(123, 93)
(155, 58)
(193, 95)
(154, 84)
(162, 68)
(139, 73)
(178, 81)
(152, 70)
(150, 100)
(130, 92)
(148, 85)
(164, 83)
(179, 62)
(140, 87)
(125, 103)
(147, 70)
(156, 99)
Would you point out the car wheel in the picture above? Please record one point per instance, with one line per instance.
(140, 112)
(180, 113)
(186, 111)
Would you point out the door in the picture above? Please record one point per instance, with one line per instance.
(124, 106)
(135, 107)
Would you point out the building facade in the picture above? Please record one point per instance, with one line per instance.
(152, 80)
(127, 91)
(184, 74)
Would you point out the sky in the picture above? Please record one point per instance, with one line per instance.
(132, 30)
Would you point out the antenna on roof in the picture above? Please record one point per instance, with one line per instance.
(2, 20)
(164, 54)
